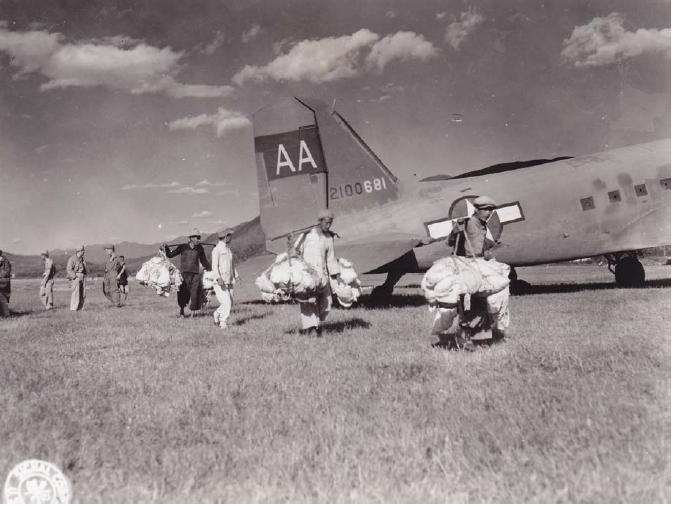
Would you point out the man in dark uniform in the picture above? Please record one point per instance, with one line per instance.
(123, 278)
(190, 255)
(113, 267)
(5, 285)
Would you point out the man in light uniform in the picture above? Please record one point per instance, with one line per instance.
(47, 285)
(76, 272)
(316, 247)
(5, 285)
(113, 269)
(225, 276)
(470, 240)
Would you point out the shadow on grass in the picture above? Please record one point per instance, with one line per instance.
(339, 327)
(527, 289)
(245, 319)
(21, 312)
(395, 300)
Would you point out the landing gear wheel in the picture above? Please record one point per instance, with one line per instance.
(629, 272)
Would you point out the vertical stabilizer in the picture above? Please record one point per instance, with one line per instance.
(309, 158)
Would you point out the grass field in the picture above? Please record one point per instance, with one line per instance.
(135, 405)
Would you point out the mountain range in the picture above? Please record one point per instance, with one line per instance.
(248, 241)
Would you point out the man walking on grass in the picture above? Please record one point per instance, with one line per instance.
(191, 254)
(76, 272)
(47, 285)
(113, 268)
(225, 276)
(316, 247)
(5, 285)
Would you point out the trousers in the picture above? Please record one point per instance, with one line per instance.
(47, 294)
(78, 295)
(189, 291)
(225, 296)
(111, 291)
(313, 314)
(5, 292)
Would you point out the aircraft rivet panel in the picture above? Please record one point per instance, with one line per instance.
(614, 196)
(587, 204)
(641, 190)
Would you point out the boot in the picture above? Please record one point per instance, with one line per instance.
(498, 337)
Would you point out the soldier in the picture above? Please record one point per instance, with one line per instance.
(5, 285)
(47, 285)
(225, 276)
(316, 247)
(470, 240)
(76, 272)
(113, 269)
(123, 282)
(190, 255)
(475, 230)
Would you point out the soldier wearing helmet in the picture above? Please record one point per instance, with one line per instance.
(473, 242)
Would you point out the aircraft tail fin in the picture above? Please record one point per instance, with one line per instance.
(309, 158)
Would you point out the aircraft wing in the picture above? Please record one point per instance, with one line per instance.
(370, 253)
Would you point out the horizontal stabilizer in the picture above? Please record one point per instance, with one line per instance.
(374, 252)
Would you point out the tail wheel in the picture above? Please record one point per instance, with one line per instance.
(629, 272)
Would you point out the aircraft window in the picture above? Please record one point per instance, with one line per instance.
(665, 183)
(614, 196)
(641, 190)
(587, 204)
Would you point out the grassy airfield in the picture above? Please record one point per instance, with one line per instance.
(135, 405)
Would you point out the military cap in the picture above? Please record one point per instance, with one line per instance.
(484, 203)
(325, 214)
(45, 253)
(195, 233)
(225, 232)
(108, 246)
(80, 248)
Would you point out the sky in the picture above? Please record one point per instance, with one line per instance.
(127, 120)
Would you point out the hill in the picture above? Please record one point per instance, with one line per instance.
(248, 241)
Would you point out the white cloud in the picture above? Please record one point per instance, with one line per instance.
(181, 223)
(16, 240)
(400, 46)
(223, 121)
(188, 190)
(215, 44)
(216, 184)
(150, 186)
(458, 31)
(116, 62)
(393, 88)
(382, 98)
(254, 31)
(333, 58)
(441, 15)
(603, 41)
(41, 148)
(202, 214)
(391, 15)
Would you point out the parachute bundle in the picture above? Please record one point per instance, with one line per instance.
(160, 274)
(347, 286)
(453, 276)
(288, 278)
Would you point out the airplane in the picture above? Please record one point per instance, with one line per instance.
(309, 158)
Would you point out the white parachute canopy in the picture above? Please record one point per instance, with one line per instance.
(160, 274)
(453, 276)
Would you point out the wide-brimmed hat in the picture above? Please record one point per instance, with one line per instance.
(225, 232)
(194, 233)
(80, 248)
